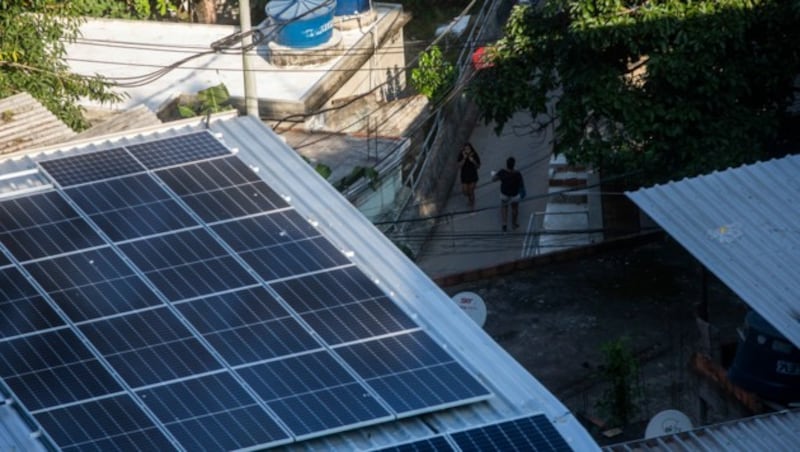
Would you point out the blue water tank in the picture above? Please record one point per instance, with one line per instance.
(302, 23)
(351, 7)
(766, 363)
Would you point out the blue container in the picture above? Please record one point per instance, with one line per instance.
(351, 7)
(302, 23)
(766, 363)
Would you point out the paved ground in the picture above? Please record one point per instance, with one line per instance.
(555, 318)
(471, 240)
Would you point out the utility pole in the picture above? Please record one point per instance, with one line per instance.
(250, 92)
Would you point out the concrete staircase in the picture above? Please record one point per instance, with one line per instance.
(572, 206)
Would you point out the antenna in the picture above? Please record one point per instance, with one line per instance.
(667, 422)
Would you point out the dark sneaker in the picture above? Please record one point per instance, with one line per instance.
(516, 226)
(504, 228)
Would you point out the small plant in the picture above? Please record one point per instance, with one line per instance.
(619, 403)
(209, 100)
(435, 76)
(7, 115)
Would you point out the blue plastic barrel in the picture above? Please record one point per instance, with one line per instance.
(351, 7)
(302, 23)
(766, 363)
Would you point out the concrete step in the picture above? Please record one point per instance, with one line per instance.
(566, 195)
(568, 178)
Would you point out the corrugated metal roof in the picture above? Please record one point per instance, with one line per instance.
(778, 431)
(741, 224)
(26, 124)
(135, 118)
(516, 392)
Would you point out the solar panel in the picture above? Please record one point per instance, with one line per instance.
(534, 433)
(411, 372)
(22, 309)
(43, 225)
(314, 393)
(91, 167)
(221, 189)
(247, 326)
(130, 207)
(435, 444)
(92, 284)
(189, 306)
(176, 150)
(109, 423)
(187, 264)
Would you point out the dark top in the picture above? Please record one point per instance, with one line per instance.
(469, 170)
(510, 182)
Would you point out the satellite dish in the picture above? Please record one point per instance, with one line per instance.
(667, 422)
(473, 305)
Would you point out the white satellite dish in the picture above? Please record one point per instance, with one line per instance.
(667, 422)
(473, 305)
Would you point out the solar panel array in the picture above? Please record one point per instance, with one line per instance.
(527, 434)
(163, 296)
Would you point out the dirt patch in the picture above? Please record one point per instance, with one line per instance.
(554, 320)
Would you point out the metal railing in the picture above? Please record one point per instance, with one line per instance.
(532, 246)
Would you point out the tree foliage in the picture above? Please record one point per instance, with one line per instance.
(434, 76)
(663, 88)
(33, 35)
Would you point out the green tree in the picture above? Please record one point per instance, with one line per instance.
(434, 76)
(665, 88)
(33, 35)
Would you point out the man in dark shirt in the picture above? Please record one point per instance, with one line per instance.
(511, 187)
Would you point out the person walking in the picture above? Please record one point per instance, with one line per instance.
(470, 162)
(512, 189)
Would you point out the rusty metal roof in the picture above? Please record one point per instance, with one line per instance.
(743, 225)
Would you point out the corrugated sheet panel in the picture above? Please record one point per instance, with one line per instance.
(517, 393)
(742, 224)
(778, 431)
(14, 433)
(26, 124)
(134, 118)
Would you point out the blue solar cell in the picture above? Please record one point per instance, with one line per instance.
(207, 176)
(212, 413)
(149, 347)
(4, 260)
(187, 264)
(294, 258)
(435, 444)
(22, 309)
(313, 393)
(130, 207)
(222, 189)
(411, 372)
(52, 368)
(96, 166)
(535, 433)
(327, 289)
(92, 284)
(34, 210)
(265, 230)
(114, 423)
(247, 326)
(43, 225)
(179, 149)
(358, 320)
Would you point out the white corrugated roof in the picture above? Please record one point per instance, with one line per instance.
(516, 392)
(742, 224)
(778, 431)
